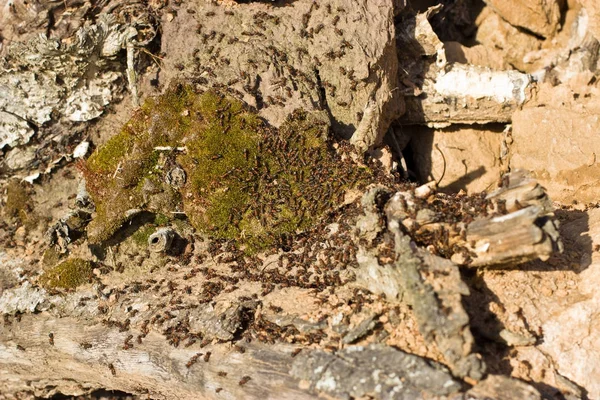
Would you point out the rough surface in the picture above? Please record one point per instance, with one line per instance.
(496, 33)
(541, 17)
(458, 158)
(36, 82)
(549, 307)
(532, 325)
(373, 371)
(592, 10)
(560, 147)
(414, 278)
(565, 341)
(502, 388)
(338, 57)
(238, 177)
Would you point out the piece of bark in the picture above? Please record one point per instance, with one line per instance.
(526, 233)
(429, 284)
(51, 85)
(437, 305)
(373, 371)
(512, 239)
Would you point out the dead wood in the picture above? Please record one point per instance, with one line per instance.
(510, 226)
(438, 93)
(526, 232)
(154, 336)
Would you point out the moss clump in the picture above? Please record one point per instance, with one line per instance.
(140, 237)
(19, 204)
(127, 173)
(50, 257)
(161, 219)
(245, 180)
(68, 274)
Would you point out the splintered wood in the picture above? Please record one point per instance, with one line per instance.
(526, 233)
(510, 226)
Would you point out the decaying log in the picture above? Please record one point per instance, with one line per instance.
(89, 356)
(84, 356)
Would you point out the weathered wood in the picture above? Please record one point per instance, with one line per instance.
(511, 239)
(95, 331)
(430, 285)
(518, 225)
(526, 233)
(82, 353)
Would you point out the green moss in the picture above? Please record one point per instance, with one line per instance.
(246, 181)
(19, 204)
(50, 257)
(67, 275)
(140, 237)
(112, 152)
(161, 219)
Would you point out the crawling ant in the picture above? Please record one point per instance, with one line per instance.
(347, 44)
(113, 371)
(240, 349)
(244, 380)
(193, 360)
(51, 338)
(207, 356)
(127, 343)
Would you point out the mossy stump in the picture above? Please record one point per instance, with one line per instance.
(242, 180)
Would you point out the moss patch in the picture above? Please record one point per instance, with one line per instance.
(246, 181)
(67, 275)
(140, 237)
(50, 257)
(19, 204)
